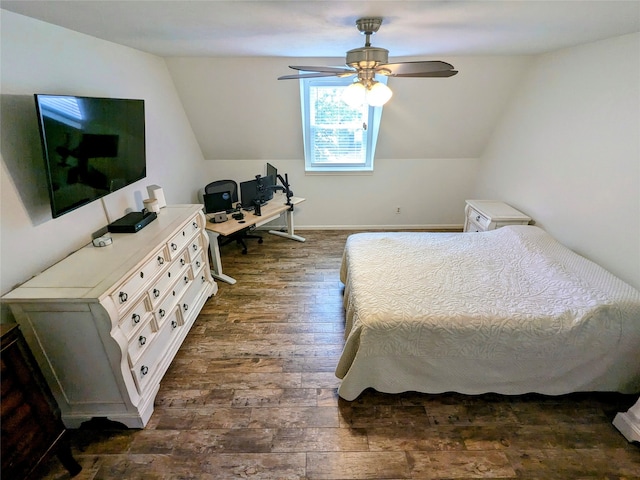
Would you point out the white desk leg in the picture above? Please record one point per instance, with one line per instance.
(216, 272)
(290, 234)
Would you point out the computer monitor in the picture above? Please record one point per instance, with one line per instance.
(248, 193)
(272, 171)
(218, 202)
(256, 190)
(265, 194)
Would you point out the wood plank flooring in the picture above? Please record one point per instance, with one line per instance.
(252, 395)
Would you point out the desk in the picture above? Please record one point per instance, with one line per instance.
(270, 211)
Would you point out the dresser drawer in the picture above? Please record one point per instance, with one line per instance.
(472, 226)
(141, 341)
(126, 294)
(198, 261)
(188, 301)
(135, 318)
(195, 246)
(478, 219)
(182, 238)
(178, 269)
(172, 299)
(147, 366)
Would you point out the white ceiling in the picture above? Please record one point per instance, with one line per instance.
(326, 28)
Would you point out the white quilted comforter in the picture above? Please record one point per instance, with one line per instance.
(508, 311)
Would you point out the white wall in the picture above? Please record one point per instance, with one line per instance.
(370, 201)
(433, 131)
(41, 58)
(567, 152)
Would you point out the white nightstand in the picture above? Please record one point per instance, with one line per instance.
(483, 215)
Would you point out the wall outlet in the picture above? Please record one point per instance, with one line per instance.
(398, 210)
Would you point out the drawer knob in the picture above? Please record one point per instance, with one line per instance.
(160, 260)
(142, 340)
(162, 313)
(174, 247)
(123, 297)
(198, 263)
(174, 324)
(203, 279)
(478, 218)
(136, 318)
(156, 292)
(195, 225)
(186, 279)
(144, 370)
(195, 247)
(182, 262)
(185, 307)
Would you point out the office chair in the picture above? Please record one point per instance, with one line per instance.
(238, 237)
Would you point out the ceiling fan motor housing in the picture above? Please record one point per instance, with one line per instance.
(367, 57)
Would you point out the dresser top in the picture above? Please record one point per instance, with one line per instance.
(90, 272)
(495, 209)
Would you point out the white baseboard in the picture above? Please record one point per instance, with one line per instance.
(452, 227)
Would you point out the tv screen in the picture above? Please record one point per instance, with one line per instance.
(91, 146)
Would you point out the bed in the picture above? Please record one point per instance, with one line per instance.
(509, 311)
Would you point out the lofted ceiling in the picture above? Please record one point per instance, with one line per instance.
(326, 28)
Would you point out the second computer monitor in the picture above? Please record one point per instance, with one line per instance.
(256, 190)
(265, 190)
(248, 193)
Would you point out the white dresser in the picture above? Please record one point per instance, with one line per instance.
(483, 215)
(106, 322)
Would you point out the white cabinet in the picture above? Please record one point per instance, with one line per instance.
(483, 215)
(105, 322)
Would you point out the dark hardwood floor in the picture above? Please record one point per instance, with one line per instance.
(252, 395)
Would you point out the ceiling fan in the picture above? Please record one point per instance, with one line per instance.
(366, 62)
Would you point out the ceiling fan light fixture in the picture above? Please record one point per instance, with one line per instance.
(378, 94)
(355, 94)
(373, 93)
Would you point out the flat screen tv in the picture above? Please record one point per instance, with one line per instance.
(91, 146)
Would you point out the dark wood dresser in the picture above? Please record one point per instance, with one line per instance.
(31, 424)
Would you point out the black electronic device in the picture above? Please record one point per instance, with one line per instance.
(272, 171)
(91, 146)
(265, 188)
(132, 222)
(218, 202)
(248, 193)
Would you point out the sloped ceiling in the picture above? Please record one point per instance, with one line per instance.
(238, 110)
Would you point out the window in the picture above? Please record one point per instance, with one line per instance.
(63, 109)
(337, 137)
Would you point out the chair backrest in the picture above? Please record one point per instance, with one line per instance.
(224, 186)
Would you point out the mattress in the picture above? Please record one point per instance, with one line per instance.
(509, 311)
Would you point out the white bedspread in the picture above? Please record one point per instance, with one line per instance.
(508, 311)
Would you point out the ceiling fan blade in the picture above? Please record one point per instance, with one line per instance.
(296, 76)
(323, 69)
(441, 73)
(405, 68)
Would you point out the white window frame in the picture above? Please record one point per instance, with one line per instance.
(373, 117)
